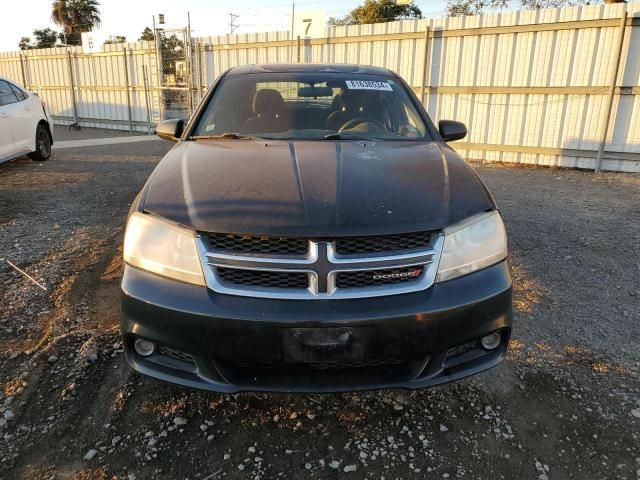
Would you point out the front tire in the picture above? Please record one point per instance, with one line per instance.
(43, 144)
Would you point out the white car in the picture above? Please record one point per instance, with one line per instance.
(24, 124)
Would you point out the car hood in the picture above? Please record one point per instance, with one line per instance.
(314, 188)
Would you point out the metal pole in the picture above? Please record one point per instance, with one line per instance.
(24, 76)
(293, 16)
(612, 91)
(146, 97)
(298, 48)
(198, 66)
(189, 62)
(159, 66)
(423, 83)
(126, 78)
(73, 91)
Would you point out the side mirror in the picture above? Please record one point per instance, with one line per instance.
(451, 130)
(170, 129)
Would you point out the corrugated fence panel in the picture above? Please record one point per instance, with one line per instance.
(99, 81)
(532, 86)
(463, 68)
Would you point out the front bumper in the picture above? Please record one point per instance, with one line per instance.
(228, 344)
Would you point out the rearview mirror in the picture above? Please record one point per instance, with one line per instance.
(315, 92)
(170, 129)
(451, 130)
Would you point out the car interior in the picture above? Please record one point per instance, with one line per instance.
(278, 108)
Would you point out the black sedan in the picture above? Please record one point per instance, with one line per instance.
(311, 230)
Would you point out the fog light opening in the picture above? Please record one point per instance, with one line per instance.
(492, 341)
(144, 348)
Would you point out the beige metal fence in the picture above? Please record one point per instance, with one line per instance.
(550, 87)
(114, 89)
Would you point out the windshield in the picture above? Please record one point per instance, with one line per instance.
(310, 106)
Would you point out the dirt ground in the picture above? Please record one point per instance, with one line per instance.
(564, 404)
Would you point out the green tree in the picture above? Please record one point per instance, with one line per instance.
(538, 4)
(171, 51)
(25, 43)
(147, 35)
(115, 39)
(75, 17)
(378, 11)
(45, 38)
(458, 8)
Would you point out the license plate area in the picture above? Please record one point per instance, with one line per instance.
(320, 345)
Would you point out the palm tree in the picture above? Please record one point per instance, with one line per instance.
(75, 17)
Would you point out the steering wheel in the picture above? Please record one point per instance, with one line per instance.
(349, 124)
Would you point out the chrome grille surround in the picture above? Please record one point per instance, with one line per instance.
(322, 263)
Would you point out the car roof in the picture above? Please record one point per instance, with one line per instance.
(10, 81)
(310, 68)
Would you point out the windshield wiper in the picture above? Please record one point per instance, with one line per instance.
(222, 136)
(347, 136)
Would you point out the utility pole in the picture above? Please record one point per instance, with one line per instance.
(293, 17)
(232, 24)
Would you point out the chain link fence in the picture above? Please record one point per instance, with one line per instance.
(175, 73)
(126, 86)
(499, 74)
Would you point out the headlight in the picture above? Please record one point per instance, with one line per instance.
(161, 247)
(475, 243)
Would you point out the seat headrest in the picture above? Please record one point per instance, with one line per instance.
(268, 102)
(350, 100)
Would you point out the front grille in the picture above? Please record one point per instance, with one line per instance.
(247, 244)
(382, 243)
(335, 364)
(302, 268)
(266, 279)
(371, 278)
(342, 375)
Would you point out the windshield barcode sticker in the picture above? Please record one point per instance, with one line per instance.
(368, 85)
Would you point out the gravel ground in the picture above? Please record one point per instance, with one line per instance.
(564, 404)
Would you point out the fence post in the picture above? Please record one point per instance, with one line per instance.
(146, 97)
(423, 83)
(190, 66)
(612, 91)
(75, 124)
(198, 67)
(24, 76)
(160, 73)
(126, 78)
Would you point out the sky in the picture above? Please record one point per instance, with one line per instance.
(208, 17)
